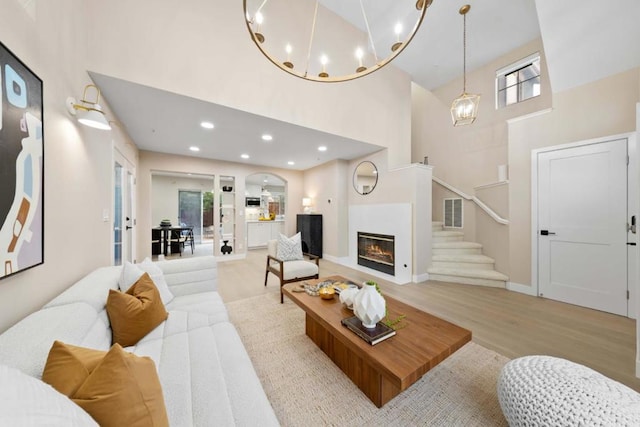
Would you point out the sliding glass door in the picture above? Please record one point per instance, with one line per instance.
(190, 211)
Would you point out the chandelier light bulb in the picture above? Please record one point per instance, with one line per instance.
(398, 30)
(324, 60)
(288, 62)
(257, 34)
(360, 55)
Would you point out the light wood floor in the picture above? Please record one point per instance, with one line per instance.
(509, 323)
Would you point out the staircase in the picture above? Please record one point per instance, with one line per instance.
(457, 261)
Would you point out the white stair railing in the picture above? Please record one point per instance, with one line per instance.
(474, 199)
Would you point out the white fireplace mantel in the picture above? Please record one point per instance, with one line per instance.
(394, 219)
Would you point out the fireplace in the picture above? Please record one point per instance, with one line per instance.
(376, 251)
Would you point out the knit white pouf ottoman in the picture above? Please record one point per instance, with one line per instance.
(548, 391)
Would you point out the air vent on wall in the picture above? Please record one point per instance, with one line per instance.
(453, 213)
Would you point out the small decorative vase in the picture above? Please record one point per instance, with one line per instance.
(369, 306)
(347, 296)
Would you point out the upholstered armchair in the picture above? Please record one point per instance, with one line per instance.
(290, 270)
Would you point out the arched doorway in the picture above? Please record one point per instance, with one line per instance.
(266, 203)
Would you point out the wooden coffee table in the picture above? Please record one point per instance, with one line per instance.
(386, 369)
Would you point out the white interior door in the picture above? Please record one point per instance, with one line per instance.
(123, 210)
(130, 215)
(582, 225)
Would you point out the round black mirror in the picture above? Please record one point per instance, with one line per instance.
(365, 177)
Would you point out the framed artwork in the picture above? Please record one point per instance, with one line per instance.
(21, 166)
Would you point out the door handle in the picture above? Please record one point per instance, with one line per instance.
(632, 227)
(547, 233)
(128, 227)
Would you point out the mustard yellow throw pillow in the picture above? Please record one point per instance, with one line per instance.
(118, 389)
(68, 366)
(135, 313)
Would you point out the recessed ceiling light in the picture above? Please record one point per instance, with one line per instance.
(194, 148)
(290, 163)
(244, 156)
(207, 125)
(267, 137)
(322, 148)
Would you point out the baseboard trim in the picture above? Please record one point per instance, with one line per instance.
(418, 278)
(523, 289)
(235, 257)
(337, 260)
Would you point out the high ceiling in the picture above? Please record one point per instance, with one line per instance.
(167, 122)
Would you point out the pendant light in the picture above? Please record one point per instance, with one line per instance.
(464, 109)
(308, 39)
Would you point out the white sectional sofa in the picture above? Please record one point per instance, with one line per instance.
(206, 375)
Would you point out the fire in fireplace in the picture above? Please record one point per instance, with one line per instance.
(376, 251)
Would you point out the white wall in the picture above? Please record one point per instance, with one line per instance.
(164, 194)
(78, 160)
(202, 49)
(327, 186)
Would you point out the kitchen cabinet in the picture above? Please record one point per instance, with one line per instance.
(260, 232)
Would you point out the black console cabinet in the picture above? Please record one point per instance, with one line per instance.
(310, 228)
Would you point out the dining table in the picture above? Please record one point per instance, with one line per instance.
(166, 234)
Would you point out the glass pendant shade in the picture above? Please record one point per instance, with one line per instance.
(464, 109)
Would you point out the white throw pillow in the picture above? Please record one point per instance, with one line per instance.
(289, 248)
(157, 276)
(130, 275)
(27, 401)
(132, 272)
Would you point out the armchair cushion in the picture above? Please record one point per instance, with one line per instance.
(289, 248)
(297, 268)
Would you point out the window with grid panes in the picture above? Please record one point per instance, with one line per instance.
(518, 82)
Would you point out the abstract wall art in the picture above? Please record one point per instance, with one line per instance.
(21, 166)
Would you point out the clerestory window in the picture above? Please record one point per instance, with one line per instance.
(518, 82)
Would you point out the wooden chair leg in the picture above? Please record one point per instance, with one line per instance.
(281, 294)
(266, 273)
